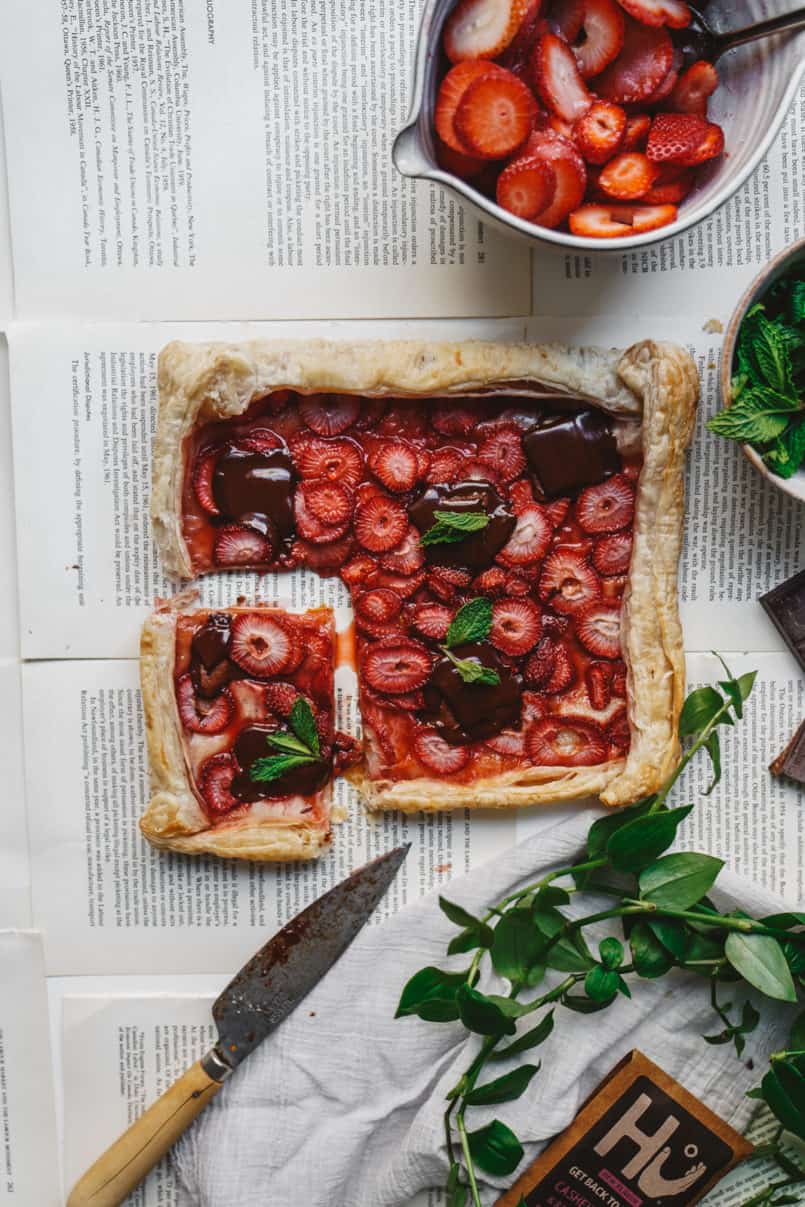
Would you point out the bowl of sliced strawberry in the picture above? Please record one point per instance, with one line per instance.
(594, 123)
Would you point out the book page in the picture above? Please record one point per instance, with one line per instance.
(6, 272)
(28, 1166)
(230, 159)
(89, 570)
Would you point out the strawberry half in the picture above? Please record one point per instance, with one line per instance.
(380, 524)
(684, 138)
(599, 132)
(598, 628)
(530, 540)
(569, 170)
(395, 464)
(324, 559)
(628, 176)
(308, 525)
(407, 556)
(395, 668)
(565, 742)
(612, 554)
(671, 186)
(643, 63)
(490, 582)
(236, 545)
(280, 698)
(558, 80)
(446, 581)
(597, 680)
(481, 29)
(445, 466)
(262, 646)
(215, 781)
(594, 29)
(568, 582)
(329, 414)
(636, 133)
(613, 221)
(328, 501)
(659, 12)
(379, 604)
(451, 90)
(202, 480)
(432, 620)
(503, 450)
(337, 460)
(495, 115)
(438, 755)
(199, 715)
(516, 626)
(526, 187)
(541, 666)
(359, 570)
(693, 89)
(606, 507)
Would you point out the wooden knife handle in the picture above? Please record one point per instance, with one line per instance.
(124, 1165)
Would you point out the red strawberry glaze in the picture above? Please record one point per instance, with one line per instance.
(405, 595)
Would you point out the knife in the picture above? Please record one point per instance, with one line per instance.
(263, 993)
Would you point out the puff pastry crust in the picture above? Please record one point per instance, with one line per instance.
(652, 386)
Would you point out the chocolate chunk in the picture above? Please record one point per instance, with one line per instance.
(791, 762)
(250, 745)
(256, 489)
(211, 643)
(785, 606)
(476, 551)
(471, 712)
(568, 452)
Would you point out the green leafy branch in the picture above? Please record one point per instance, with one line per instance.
(298, 745)
(667, 921)
(472, 622)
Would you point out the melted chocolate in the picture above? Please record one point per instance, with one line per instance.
(476, 551)
(569, 452)
(250, 745)
(471, 712)
(256, 489)
(211, 643)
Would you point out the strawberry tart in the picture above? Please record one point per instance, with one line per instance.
(508, 521)
(239, 717)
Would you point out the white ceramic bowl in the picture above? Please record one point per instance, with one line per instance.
(775, 269)
(758, 84)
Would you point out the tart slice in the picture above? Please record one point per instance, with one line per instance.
(239, 717)
(508, 521)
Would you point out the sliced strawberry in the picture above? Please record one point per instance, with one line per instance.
(643, 63)
(565, 742)
(666, 84)
(594, 29)
(432, 620)
(612, 554)
(451, 90)
(481, 29)
(599, 132)
(262, 645)
(693, 89)
(598, 685)
(555, 624)
(478, 471)
(438, 755)
(236, 545)
(450, 418)
(503, 450)
(387, 632)
(490, 582)
(510, 743)
(495, 115)
(260, 440)
(324, 559)
(526, 187)
(359, 570)
(199, 715)
(568, 582)
(446, 581)
(558, 80)
(618, 680)
(329, 414)
(407, 556)
(280, 698)
(530, 540)
(515, 584)
(598, 628)
(404, 585)
(397, 667)
(613, 221)
(684, 138)
(570, 172)
(541, 665)
(445, 466)
(202, 480)
(557, 511)
(517, 55)
(308, 525)
(521, 495)
(467, 167)
(377, 604)
(606, 507)
(380, 523)
(619, 731)
(671, 186)
(559, 126)
(337, 460)
(659, 12)
(328, 501)
(628, 176)
(635, 135)
(395, 464)
(215, 781)
(516, 626)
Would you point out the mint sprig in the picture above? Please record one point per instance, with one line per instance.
(472, 622)
(298, 746)
(452, 526)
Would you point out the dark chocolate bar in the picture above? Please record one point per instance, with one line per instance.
(791, 762)
(785, 605)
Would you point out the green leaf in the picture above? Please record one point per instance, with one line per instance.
(698, 711)
(454, 526)
(549, 896)
(701, 950)
(601, 984)
(472, 622)
(671, 933)
(772, 356)
(584, 1005)
(481, 1015)
(264, 771)
(796, 1039)
(787, 452)
(496, 1149)
(471, 938)
(749, 420)
(472, 670)
(427, 985)
(458, 1196)
(502, 1089)
(288, 743)
(530, 1039)
(789, 1110)
(438, 1010)
(649, 956)
(602, 830)
(785, 921)
(796, 302)
(457, 914)
(680, 880)
(761, 962)
(713, 746)
(303, 723)
(611, 952)
(517, 945)
(639, 843)
(568, 954)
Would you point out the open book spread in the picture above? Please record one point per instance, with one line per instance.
(215, 172)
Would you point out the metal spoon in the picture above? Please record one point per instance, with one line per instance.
(699, 41)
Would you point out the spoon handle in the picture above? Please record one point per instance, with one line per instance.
(762, 29)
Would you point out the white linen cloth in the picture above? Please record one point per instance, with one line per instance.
(342, 1106)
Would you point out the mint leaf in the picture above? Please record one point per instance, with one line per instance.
(303, 724)
(788, 451)
(770, 348)
(750, 419)
(263, 771)
(472, 622)
(797, 302)
(472, 671)
(288, 743)
(454, 526)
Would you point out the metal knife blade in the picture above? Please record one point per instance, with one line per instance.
(283, 972)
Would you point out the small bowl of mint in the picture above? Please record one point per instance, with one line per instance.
(763, 373)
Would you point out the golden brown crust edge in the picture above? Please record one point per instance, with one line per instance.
(173, 819)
